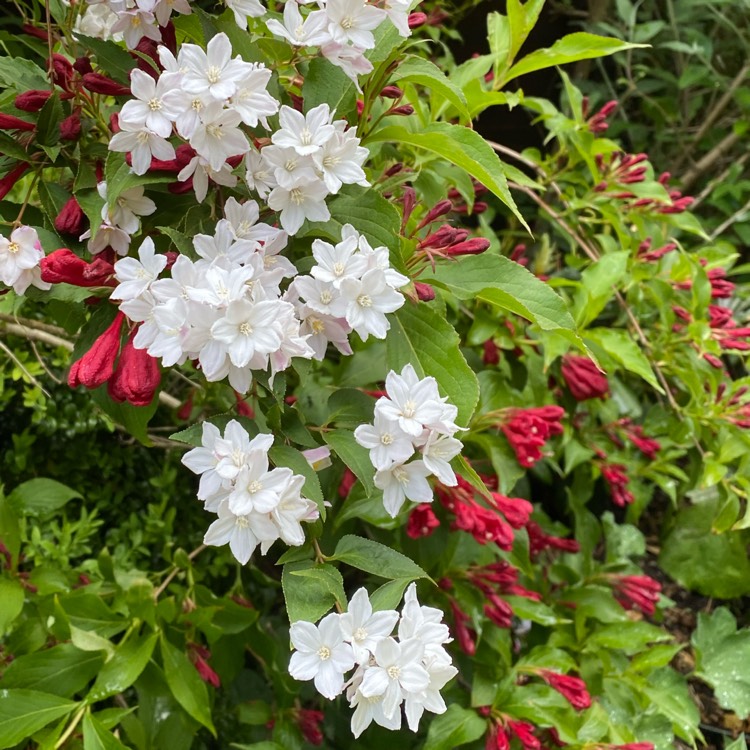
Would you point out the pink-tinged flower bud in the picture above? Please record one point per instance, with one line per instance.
(64, 266)
(395, 169)
(96, 366)
(62, 71)
(172, 256)
(243, 408)
(82, 65)
(573, 689)
(404, 110)
(425, 293)
(27, 28)
(442, 237)
(148, 48)
(9, 122)
(309, 723)
(169, 37)
(437, 17)
(33, 100)
(71, 219)
(637, 592)
(298, 102)
(616, 476)
(114, 123)
(180, 188)
(10, 179)
(524, 731)
(186, 409)
(360, 107)
(137, 376)
(474, 246)
(583, 378)
(391, 92)
(664, 178)
(98, 83)
(465, 635)
(199, 655)
(410, 200)
(479, 207)
(416, 20)
(347, 482)
(490, 353)
(422, 521)
(70, 127)
(439, 209)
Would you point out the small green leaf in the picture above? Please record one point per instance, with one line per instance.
(618, 345)
(181, 241)
(356, 457)
(389, 595)
(310, 589)
(12, 597)
(23, 712)
(48, 124)
(40, 497)
(457, 726)
(111, 57)
(96, 737)
(376, 558)
(125, 667)
(186, 685)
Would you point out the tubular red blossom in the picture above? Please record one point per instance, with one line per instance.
(137, 376)
(498, 611)
(646, 445)
(650, 256)
(573, 689)
(439, 209)
(243, 408)
(583, 378)
(616, 477)
(9, 122)
(410, 200)
(416, 20)
(71, 219)
(186, 409)
(395, 169)
(62, 71)
(98, 83)
(403, 109)
(515, 509)
(32, 100)
(444, 236)
(422, 521)
(525, 733)
(539, 541)
(465, 635)
(347, 482)
(637, 592)
(474, 246)
(491, 353)
(96, 366)
(424, 291)
(527, 430)
(70, 127)
(391, 92)
(10, 179)
(27, 28)
(199, 655)
(64, 266)
(309, 722)
(82, 65)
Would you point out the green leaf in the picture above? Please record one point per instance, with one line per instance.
(285, 455)
(505, 284)
(12, 597)
(111, 57)
(125, 667)
(186, 685)
(389, 595)
(460, 146)
(356, 457)
(121, 178)
(457, 726)
(327, 84)
(376, 558)
(668, 693)
(622, 349)
(23, 712)
(134, 419)
(48, 124)
(309, 596)
(630, 636)
(415, 69)
(63, 670)
(723, 659)
(571, 48)
(96, 737)
(421, 337)
(522, 18)
(89, 640)
(181, 241)
(40, 498)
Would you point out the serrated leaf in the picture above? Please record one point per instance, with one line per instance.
(376, 558)
(181, 241)
(308, 597)
(327, 84)
(389, 595)
(48, 124)
(186, 685)
(460, 146)
(41, 497)
(421, 337)
(134, 419)
(23, 712)
(622, 349)
(111, 57)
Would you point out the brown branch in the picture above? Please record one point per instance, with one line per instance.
(709, 159)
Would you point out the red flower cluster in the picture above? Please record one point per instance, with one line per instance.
(309, 721)
(493, 581)
(598, 122)
(645, 253)
(422, 521)
(646, 445)
(539, 541)
(573, 689)
(616, 476)
(527, 430)
(637, 592)
(199, 655)
(583, 378)
(501, 730)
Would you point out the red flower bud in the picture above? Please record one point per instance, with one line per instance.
(186, 409)
(583, 378)
(82, 65)
(474, 246)
(391, 92)
(9, 122)
(70, 127)
(424, 291)
(637, 592)
(439, 209)
(309, 722)
(404, 109)
(137, 376)
(33, 100)
(62, 71)
(243, 408)
(491, 355)
(96, 366)
(10, 179)
(71, 220)
(98, 83)
(395, 169)
(422, 521)
(524, 731)
(416, 20)
(64, 266)
(573, 689)
(27, 28)
(347, 482)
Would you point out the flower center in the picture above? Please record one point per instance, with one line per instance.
(400, 475)
(326, 297)
(13, 247)
(347, 23)
(135, 21)
(305, 137)
(246, 329)
(394, 672)
(243, 228)
(142, 137)
(214, 74)
(386, 439)
(296, 196)
(242, 522)
(360, 634)
(154, 104)
(338, 269)
(290, 165)
(196, 105)
(331, 161)
(254, 486)
(364, 300)
(214, 131)
(410, 409)
(317, 326)
(324, 653)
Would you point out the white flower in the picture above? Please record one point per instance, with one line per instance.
(200, 170)
(350, 59)
(242, 533)
(217, 137)
(235, 450)
(312, 31)
(339, 262)
(437, 453)
(259, 174)
(387, 442)
(148, 110)
(291, 509)
(352, 21)
(398, 13)
(402, 482)
(429, 699)
(135, 276)
(321, 655)
(21, 252)
(143, 145)
(426, 624)
(164, 8)
(251, 100)
(130, 204)
(203, 460)
(397, 671)
(363, 628)
(244, 9)
(340, 160)
(370, 298)
(213, 71)
(323, 329)
(304, 133)
(247, 328)
(289, 167)
(321, 296)
(134, 24)
(302, 200)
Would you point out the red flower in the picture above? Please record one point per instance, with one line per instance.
(96, 366)
(573, 689)
(32, 100)
(637, 592)
(64, 266)
(309, 722)
(646, 445)
(617, 478)
(539, 541)
(465, 635)
(98, 83)
(583, 378)
(243, 408)
(425, 292)
(497, 738)
(70, 127)
(422, 521)
(137, 376)
(347, 482)
(11, 178)
(491, 354)
(525, 733)
(199, 655)
(71, 219)
(9, 122)
(515, 509)
(527, 430)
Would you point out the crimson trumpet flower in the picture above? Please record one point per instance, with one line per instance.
(583, 378)
(98, 83)
(422, 521)
(637, 592)
(32, 100)
(96, 366)
(573, 689)
(137, 376)
(64, 266)
(71, 219)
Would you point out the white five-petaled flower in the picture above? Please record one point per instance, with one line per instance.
(135, 276)
(363, 628)
(308, 32)
(306, 134)
(130, 204)
(321, 655)
(413, 403)
(213, 71)
(247, 328)
(387, 442)
(143, 145)
(369, 299)
(401, 482)
(152, 108)
(352, 21)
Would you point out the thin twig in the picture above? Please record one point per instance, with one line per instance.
(736, 216)
(175, 570)
(526, 162)
(20, 365)
(29, 323)
(71, 728)
(719, 180)
(36, 335)
(709, 159)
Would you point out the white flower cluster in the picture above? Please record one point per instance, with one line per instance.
(351, 287)
(255, 506)
(120, 222)
(19, 260)
(342, 29)
(390, 673)
(411, 419)
(225, 309)
(129, 20)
